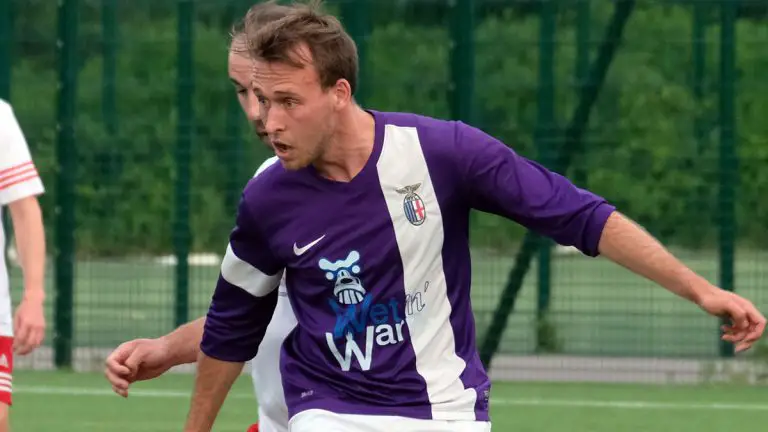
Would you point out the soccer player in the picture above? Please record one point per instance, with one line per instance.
(19, 187)
(367, 216)
(143, 359)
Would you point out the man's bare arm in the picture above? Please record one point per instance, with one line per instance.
(30, 243)
(184, 342)
(627, 244)
(29, 319)
(212, 384)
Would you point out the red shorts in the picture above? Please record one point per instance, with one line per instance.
(6, 369)
(254, 428)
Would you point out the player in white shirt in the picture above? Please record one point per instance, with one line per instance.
(143, 359)
(19, 187)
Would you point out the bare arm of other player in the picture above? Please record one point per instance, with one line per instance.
(212, 384)
(144, 359)
(29, 320)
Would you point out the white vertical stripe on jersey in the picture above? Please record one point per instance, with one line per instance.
(402, 163)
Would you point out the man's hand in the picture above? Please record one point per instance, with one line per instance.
(747, 323)
(144, 359)
(137, 360)
(28, 325)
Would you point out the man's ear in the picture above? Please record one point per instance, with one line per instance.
(342, 93)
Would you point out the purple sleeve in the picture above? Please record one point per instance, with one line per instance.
(502, 182)
(245, 295)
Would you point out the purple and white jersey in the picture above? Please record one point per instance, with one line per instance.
(378, 269)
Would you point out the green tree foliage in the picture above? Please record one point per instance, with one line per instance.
(641, 151)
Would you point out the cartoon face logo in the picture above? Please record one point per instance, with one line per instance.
(413, 205)
(348, 289)
(362, 322)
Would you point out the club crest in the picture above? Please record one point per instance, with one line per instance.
(413, 205)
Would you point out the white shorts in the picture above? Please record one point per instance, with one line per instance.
(268, 423)
(316, 420)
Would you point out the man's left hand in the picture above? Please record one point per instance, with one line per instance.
(747, 324)
(29, 326)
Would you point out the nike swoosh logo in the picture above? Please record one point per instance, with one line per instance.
(299, 251)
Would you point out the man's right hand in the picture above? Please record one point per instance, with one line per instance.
(137, 360)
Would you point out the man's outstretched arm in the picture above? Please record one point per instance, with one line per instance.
(627, 244)
(499, 181)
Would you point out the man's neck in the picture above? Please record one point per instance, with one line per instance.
(351, 146)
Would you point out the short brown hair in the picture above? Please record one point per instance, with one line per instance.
(334, 53)
(257, 16)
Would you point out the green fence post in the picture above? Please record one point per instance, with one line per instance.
(181, 230)
(699, 53)
(545, 134)
(583, 50)
(6, 46)
(583, 36)
(109, 66)
(356, 17)
(66, 154)
(462, 88)
(728, 157)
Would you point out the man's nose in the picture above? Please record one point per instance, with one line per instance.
(273, 120)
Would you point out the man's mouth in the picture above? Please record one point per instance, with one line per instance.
(280, 148)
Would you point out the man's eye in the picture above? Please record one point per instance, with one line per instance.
(290, 103)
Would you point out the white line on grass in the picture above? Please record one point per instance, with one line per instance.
(640, 405)
(576, 403)
(84, 391)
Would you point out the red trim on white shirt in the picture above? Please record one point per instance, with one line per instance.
(19, 179)
(8, 172)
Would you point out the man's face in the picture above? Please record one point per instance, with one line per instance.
(240, 73)
(299, 116)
